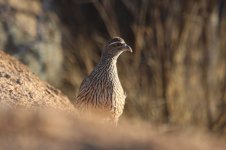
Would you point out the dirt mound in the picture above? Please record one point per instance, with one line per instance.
(21, 88)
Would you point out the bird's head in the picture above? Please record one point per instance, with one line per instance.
(115, 47)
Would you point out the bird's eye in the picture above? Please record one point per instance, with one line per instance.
(117, 44)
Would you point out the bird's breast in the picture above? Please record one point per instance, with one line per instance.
(102, 90)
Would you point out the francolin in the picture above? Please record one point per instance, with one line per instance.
(101, 92)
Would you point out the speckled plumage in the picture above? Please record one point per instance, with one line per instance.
(101, 92)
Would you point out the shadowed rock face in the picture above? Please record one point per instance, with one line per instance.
(21, 88)
(53, 130)
(30, 30)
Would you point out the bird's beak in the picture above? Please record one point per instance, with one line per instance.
(128, 48)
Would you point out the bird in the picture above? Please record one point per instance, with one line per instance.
(101, 92)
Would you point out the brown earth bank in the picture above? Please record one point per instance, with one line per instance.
(19, 87)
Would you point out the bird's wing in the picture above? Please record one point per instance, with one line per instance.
(84, 83)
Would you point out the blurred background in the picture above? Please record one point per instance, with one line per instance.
(176, 75)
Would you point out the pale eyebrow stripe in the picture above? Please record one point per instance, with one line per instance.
(122, 42)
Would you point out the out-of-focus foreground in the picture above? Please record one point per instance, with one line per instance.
(176, 75)
(51, 130)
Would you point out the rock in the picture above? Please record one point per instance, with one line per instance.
(19, 87)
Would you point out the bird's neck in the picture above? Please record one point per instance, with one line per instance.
(108, 65)
(109, 61)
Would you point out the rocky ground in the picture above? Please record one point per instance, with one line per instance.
(21, 88)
